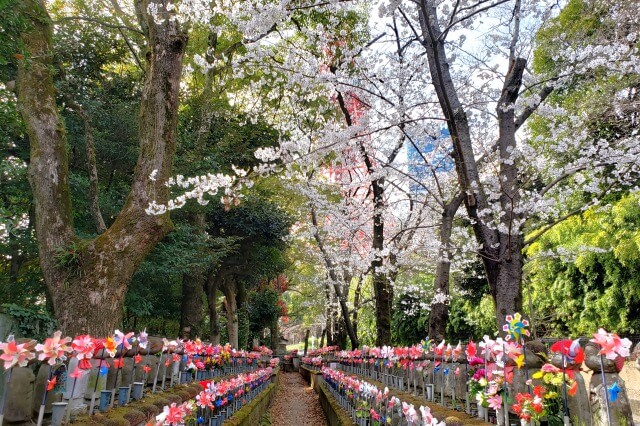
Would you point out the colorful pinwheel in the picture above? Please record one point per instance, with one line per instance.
(612, 346)
(84, 347)
(516, 327)
(54, 349)
(15, 354)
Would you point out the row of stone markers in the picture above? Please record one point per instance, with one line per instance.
(63, 377)
(368, 405)
(503, 380)
(218, 400)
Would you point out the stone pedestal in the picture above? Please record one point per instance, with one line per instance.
(40, 386)
(76, 388)
(18, 407)
(620, 409)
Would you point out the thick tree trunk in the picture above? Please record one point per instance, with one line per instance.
(356, 304)
(193, 284)
(88, 279)
(275, 338)
(501, 251)
(439, 314)
(243, 315)
(333, 276)
(382, 290)
(92, 168)
(229, 291)
(212, 303)
(191, 305)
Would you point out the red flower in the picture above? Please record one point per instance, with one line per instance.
(137, 359)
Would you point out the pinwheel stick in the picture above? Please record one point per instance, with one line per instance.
(115, 383)
(73, 389)
(526, 367)
(486, 375)
(133, 372)
(604, 388)
(155, 380)
(95, 387)
(564, 389)
(4, 395)
(506, 391)
(44, 397)
(146, 362)
(443, 378)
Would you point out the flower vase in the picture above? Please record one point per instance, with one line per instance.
(136, 392)
(105, 398)
(58, 410)
(481, 411)
(123, 395)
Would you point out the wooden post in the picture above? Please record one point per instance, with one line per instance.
(306, 342)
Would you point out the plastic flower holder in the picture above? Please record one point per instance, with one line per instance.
(123, 396)
(105, 398)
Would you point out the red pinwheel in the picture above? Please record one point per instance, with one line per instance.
(570, 349)
(84, 346)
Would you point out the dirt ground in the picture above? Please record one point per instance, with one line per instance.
(296, 404)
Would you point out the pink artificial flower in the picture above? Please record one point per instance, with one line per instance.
(15, 354)
(475, 361)
(374, 414)
(479, 374)
(495, 402)
(54, 348)
(84, 346)
(611, 344)
(549, 368)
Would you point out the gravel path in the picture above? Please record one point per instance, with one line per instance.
(296, 404)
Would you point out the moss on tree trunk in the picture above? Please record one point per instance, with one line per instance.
(88, 279)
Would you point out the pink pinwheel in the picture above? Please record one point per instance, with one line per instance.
(427, 417)
(172, 414)
(439, 350)
(410, 413)
(471, 350)
(415, 351)
(611, 344)
(54, 349)
(77, 373)
(143, 339)
(84, 347)
(122, 339)
(457, 351)
(487, 345)
(15, 354)
(513, 350)
(203, 399)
